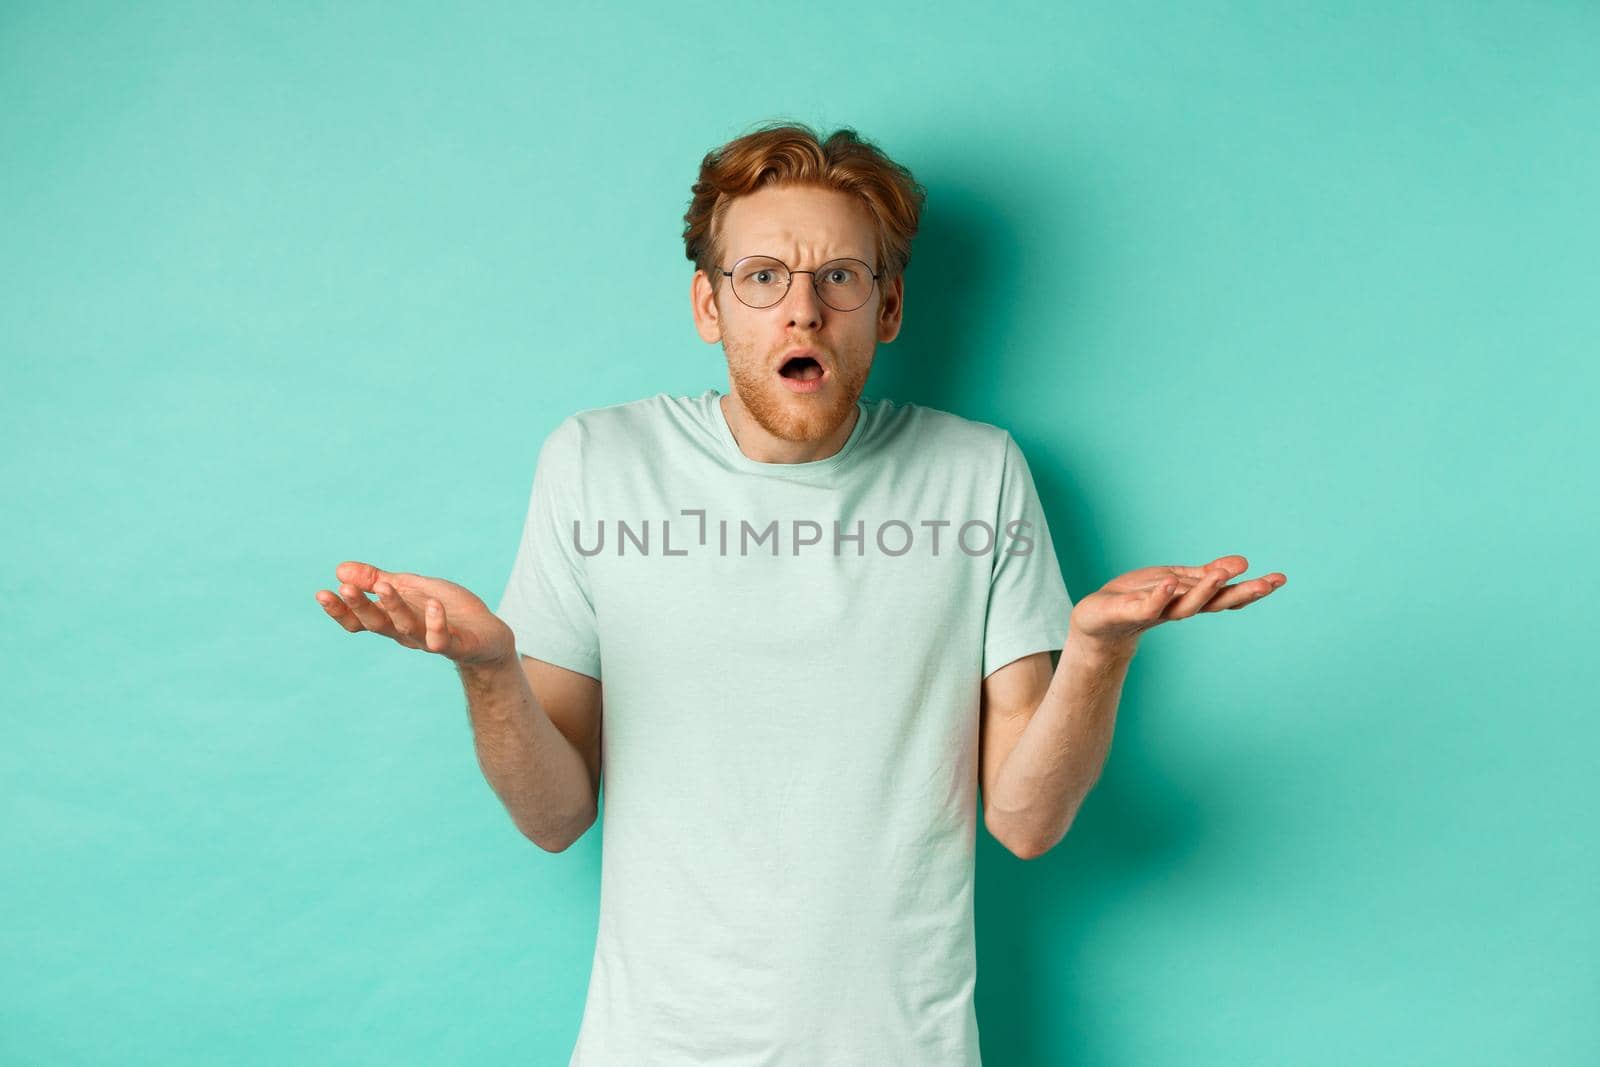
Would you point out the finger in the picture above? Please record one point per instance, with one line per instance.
(1232, 564)
(1237, 596)
(372, 617)
(438, 632)
(1198, 593)
(361, 575)
(337, 610)
(1158, 596)
(1180, 585)
(1267, 588)
(402, 616)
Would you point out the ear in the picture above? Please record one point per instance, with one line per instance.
(703, 302)
(891, 309)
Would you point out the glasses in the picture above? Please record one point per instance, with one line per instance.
(762, 281)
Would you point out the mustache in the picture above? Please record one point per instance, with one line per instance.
(801, 342)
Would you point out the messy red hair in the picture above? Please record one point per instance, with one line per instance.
(791, 153)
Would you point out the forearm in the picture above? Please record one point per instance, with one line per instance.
(1059, 755)
(536, 772)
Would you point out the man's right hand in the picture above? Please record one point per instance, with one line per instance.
(430, 614)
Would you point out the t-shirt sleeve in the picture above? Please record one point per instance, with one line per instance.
(1028, 601)
(547, 600)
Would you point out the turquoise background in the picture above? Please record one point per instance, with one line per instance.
(288, 284)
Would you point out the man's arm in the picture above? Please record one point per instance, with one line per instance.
(536, 725)
(1044, 736)
(536, 728)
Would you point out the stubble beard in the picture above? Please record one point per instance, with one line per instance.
(794, 416)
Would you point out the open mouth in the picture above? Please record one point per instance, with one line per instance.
(801, 369)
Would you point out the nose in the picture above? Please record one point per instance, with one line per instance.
(801, 302)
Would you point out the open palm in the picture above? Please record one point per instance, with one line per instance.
(431, 614)
(1119, 611)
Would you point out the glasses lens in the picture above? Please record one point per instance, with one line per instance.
(844, 284)
(760, 281)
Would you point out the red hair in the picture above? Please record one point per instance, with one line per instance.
(789, 153)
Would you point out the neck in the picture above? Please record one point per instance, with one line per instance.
(758, 444)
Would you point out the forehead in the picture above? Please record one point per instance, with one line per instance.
(798, 223)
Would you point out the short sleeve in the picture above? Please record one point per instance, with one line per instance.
(1028, 602)
(547, 600)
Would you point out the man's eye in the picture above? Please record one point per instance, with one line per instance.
(840, 275)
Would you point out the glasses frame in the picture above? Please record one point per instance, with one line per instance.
(875, 275)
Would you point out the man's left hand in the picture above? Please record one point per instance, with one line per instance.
(1112, 618)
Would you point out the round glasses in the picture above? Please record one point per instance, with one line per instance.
(762, 281)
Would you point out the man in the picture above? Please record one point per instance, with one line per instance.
(822, 621)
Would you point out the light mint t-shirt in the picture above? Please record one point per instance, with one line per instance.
(791, 658)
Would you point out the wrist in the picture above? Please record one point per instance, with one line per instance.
(1101, 650)
(508, 660)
